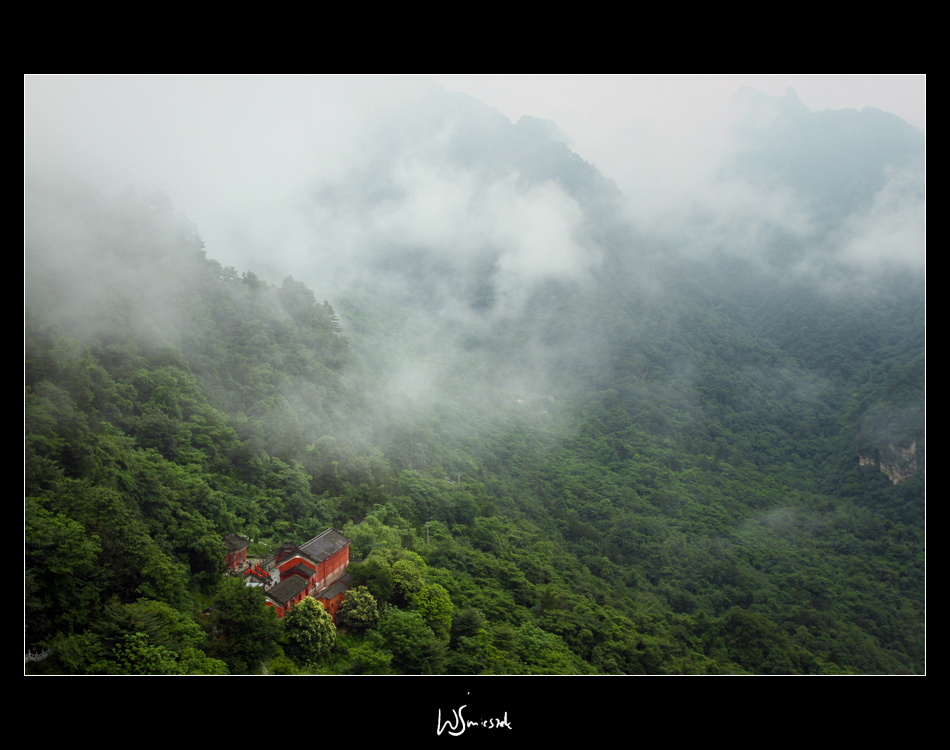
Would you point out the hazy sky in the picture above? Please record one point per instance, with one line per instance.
(241, 155)
(630, 126)
(630, 98)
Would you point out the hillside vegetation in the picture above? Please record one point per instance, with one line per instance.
(650, 467)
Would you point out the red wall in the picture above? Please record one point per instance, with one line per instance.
(236, 559)
(335, 565)
(333, 605)
(327, 571)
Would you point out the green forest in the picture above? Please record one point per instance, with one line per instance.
(676, 464)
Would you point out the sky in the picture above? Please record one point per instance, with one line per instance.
(241, 156)
(627, 98)
(603, 115)
(628, 125)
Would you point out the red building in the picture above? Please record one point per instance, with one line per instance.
(333, 595)
(286, 594)
(309, 570)
(236, 557)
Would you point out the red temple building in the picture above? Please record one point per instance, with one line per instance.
(236, 557)
(315, 568)
(333, 595)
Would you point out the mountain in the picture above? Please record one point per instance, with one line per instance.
(557, 445)
(837, 160)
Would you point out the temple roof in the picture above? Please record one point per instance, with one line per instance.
(302, 570)
(287, 589)
(235, 542)
(324, 545)
(340, 587)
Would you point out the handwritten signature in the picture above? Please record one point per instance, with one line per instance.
(460, 724)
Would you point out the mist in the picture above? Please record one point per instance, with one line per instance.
(629, 371)
(412, 191)
(280, 171)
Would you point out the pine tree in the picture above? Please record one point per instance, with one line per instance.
(335, 326)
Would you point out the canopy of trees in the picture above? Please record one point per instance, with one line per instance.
(680, 474)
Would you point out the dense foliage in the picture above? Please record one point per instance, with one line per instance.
(691, 483)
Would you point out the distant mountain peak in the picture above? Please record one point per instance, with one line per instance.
(546, 129)
(759, 109)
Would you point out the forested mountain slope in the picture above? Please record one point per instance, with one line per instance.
(564, 449)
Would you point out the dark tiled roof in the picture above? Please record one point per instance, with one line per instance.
(287, 589)
(332, 590)
(235, 542)
(301, 570)
(324, 545)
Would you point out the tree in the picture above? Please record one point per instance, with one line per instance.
(375, 576)
(435, 605)
(61, 575)
(136, 654)
(243, 631)
(364, 659)
(330, 315)
(472, 651)
(142, 638)
(297, 300)
(545, 653)
(391, 574)
(415, 648)
(309, 631)
(359, 609)
(466, 623)
(409, 574)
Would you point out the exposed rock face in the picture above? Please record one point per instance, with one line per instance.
(898, 463)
